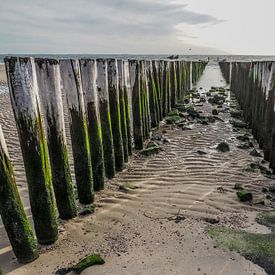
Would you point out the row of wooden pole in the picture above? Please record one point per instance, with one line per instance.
(112, 105)
(253, 86)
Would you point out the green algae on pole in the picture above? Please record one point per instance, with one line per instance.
(123, 104)
(48, 77)
(114, 104)
(105, 118)
(134, 68)
(144, 100)
(155, 72)
(12, 212)
(173, 85)
(89, 74)
(71, 79)
(152, 93)
(26, 106)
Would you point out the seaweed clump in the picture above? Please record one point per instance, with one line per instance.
(94, 259)
(258, 248)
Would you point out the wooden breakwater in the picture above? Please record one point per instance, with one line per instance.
(112, 106)
(253, 85)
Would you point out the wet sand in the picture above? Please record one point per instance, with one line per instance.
(158, 228)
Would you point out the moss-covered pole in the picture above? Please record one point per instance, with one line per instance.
(179, 78)
(12, 212)
(134, 67)
(26, 106)
(88, 75)
(113, 91)
(48, 77)
(128, 105)
(71, 79)
(145, 101)
(191, 75)
(155, 68)
(123, 104)
(173, 84)
(105, 118)
(168, 85)
(152, 94)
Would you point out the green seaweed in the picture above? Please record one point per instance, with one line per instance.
(244, 195)
(114, 107)
(259, 248)
(94, 259)
(14, 216)
(62, 180)
(95, 138)
(38, 173)
(82, 157)
(107, 139)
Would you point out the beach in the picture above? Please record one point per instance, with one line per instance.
(159, 225)
(3, 77)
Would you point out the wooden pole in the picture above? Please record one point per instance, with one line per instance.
(72, 85)
(48, 77)
(115, 113)
(152, 93)
(134, 67)
(26, 106)
(128, 105)
(173, 85)
(123, 104)
(12, 212)
(105, 118)
(89, 75)
(157, 86)
(144, 98)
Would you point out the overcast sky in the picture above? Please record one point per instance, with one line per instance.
(137, 26)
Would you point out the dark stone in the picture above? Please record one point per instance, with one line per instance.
(255, 153)
(215, 112)
(244, 195)
(223, 147)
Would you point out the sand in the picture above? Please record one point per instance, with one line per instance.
(3, 77)
(159, 227)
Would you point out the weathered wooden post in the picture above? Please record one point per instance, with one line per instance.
(115, 113)
(144, 100)
(152, 93)
(128, 105)
(26, 106)
(134, 67)
(123, 108)
(89, 75)
(71, 80)
(168, 85)
(157, 86)
(179, 79)
(12, 212)
(105, 118)
(48, 77)
(173, 84)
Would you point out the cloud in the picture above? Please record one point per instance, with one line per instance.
(59, 22)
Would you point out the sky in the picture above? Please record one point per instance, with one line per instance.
(138, 26)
